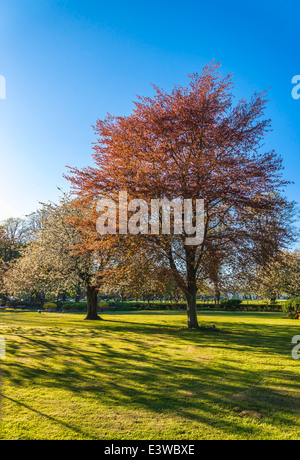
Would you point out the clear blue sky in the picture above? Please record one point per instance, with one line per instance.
(67, 63)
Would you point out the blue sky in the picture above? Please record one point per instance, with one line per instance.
(67, 63)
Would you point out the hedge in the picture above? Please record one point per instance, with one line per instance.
(72, 306)
(20, 303)
(230, 304)
(225, 304)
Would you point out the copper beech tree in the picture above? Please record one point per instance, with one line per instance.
(192, 143)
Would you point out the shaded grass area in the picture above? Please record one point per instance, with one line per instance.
(144, 376)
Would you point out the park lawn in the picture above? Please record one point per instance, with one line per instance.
(145, 376)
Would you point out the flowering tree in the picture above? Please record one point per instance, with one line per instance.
(13, 232)
(280, 276)
(57, 257)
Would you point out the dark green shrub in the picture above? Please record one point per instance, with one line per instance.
(292, 308)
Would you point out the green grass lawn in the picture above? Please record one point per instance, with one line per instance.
(144, 376)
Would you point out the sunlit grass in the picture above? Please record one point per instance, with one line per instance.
(144, 376)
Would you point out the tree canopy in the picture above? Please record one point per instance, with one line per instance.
(193, 143)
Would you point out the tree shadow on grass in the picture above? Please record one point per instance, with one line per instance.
(57, 421)
(193, 387)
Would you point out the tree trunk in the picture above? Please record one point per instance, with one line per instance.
(191, 294)
(78, 294)
(273, 297)
(92, 303)
(41, 298)
(192, 309)
(217, 294)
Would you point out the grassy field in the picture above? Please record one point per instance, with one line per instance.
(144, 376)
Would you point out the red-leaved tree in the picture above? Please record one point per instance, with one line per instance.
(191, 143)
